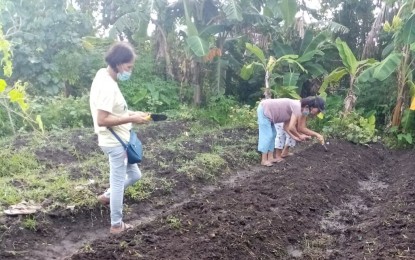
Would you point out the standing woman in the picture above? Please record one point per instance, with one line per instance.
(109, 109)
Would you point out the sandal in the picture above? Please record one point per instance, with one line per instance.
(121, 228)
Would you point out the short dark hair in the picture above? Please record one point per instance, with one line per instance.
(119, 53)
(314, 102)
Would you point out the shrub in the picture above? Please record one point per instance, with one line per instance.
(63, 112)
(353, 127)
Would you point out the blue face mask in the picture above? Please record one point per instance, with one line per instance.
(306, 112)
(123, 76)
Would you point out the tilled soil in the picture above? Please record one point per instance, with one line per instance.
(352, 202)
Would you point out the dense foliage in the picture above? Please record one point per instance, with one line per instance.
(215, 55)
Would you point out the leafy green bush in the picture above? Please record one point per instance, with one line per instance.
(227, 112)
(146, 91)
(63, 112)
(402, 137)
(353, 127)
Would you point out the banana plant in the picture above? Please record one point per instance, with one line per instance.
(351, 67)
(269, 65)
(400, 58)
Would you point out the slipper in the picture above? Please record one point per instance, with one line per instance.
(277, 160)
(267, 164)
(287, 155)
(123, 227)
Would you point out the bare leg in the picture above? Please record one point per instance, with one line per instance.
(286, 152)
(264, 159)
(277, 156)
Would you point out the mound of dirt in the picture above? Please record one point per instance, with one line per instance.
(352, 202)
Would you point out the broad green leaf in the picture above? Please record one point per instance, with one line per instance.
(273, 6)
(3, 85)
(257, 51)
(233, 10)
(334, 77)
(191, 27)
(387, 66)
(317, 41)
(291, 59)
(315, 69)
(40, 123)
(388, 49)
(413, 46)
(247, 71)
(309, 55)
(347, 56)
(290, 79)
(288, 11)
(199, 46)
(212, 29)
(408, 32)
(367, 74)
(281, 49)
(308, 37)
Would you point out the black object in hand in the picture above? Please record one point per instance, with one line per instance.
(158, 117)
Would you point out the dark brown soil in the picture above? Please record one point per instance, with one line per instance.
(353, 202)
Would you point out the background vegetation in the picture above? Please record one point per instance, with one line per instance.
(217, 57)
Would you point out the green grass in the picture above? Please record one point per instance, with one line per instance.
(205, 166)
(76, 183)
(147, 185)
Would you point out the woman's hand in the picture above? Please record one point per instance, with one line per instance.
(139, 118)
(304, 137)
(320, 138)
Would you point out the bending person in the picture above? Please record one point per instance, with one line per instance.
(273, 111)
(310, 106)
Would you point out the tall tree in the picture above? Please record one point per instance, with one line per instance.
(39, 31)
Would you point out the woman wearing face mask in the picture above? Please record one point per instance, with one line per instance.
(310, 107)
(109, 109)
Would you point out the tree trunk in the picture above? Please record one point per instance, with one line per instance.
(162, 44)
(402, 71)
(267, 92)
(195, 81)
(350, 100)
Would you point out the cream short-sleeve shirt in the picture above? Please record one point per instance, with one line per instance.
(106, 95)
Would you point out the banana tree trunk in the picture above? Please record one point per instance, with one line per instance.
(164, 47)
(350, 100)
(267, 92)
(400, 100)
(195, 70)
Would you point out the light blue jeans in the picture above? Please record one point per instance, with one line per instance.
(122, 175)
(267, 133)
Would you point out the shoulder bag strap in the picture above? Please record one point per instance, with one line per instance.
(118, 138)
